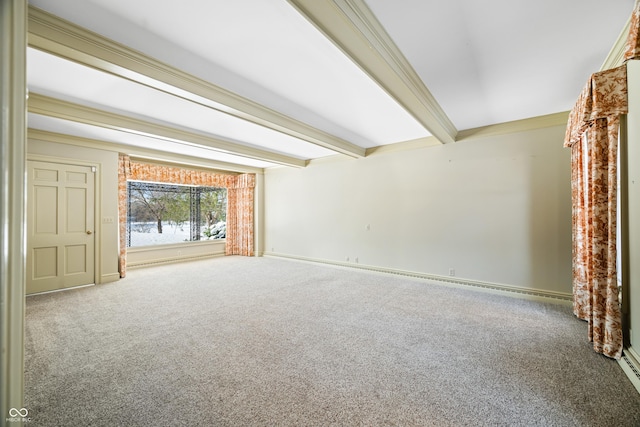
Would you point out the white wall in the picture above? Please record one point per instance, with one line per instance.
(496, 209)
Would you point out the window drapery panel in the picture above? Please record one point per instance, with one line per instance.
(123, 170)
(592, 134)
(240, 196)
(240, 216)
(594, 188)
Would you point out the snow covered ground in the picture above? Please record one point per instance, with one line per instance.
(146, 234)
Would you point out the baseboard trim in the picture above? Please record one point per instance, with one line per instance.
(172, 260)
(630, 364)
(508, 290)
(108, 278)
(70, 288)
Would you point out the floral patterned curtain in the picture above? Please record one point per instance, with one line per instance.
(632, 47)
(124, 167)
(240, 193)
(592, 134)
(240, 216)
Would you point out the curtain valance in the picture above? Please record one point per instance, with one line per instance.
(632, 46)
(140, 171)
(604, 95)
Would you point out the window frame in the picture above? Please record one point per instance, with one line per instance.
(194, 191)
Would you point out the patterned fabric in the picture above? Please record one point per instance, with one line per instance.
(174, 175)
(594, 191)
(240, 195)
(592, 134)
(604, 95)
(632, 48)
(123, 172)
(240, 216)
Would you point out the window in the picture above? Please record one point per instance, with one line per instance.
(165, 213)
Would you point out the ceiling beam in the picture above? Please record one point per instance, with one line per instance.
(54, 35)
(52, 107)
(354, 29)
(140, 152)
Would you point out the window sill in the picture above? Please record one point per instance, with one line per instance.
(168, 253)
(189, 244)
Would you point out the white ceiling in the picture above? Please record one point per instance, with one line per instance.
(484, 62)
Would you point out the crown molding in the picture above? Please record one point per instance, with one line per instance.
(615, 57)
(54, 35)
(540, 122)
(524, 125)
(148, 154)
(354, 29)
(52, 107)
(413, 144)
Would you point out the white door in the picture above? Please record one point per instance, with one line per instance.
(60, 226)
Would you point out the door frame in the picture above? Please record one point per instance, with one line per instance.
(97, 208)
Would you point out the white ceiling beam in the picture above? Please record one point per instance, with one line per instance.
(65, 39)
(354, 29)
(141, 152)
(52, 107)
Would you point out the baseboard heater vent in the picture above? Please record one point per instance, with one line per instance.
(631, 368)
(546, 295)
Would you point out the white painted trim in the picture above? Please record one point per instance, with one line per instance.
(502, 289)
(141, 256)
(187, 244)
(616, 54)
(108, 278)
(173, 260)
(65, 39)
(55, 291)
(13, 136)
(354, 29)
(52, 107)
(631, 367)
(141, 153)
(414, 144)
(540, 122)
(524, 125)
(630, 208)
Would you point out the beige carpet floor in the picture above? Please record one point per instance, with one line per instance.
(268, 342)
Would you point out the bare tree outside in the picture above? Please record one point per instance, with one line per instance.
(193, 213)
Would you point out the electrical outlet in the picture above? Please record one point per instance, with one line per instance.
(347, 259)
(107, 220)
(452, 272)
(356, 260)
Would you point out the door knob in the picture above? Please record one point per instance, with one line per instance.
(89, 232)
